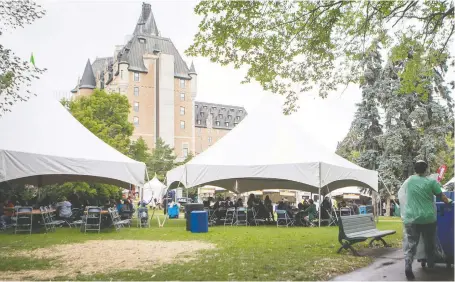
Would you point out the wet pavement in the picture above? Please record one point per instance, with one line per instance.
(389, 266)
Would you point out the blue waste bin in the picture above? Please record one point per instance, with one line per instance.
(363, 210)
(199, 222)
(445, 226)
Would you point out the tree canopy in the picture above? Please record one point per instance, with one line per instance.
(15, 74)
(323, 44)
(161, 160)
(391, 130)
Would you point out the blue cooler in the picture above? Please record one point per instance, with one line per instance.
(445, 226)
(199, 222)
(173, 212)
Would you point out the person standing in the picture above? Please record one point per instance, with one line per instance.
(419, 214)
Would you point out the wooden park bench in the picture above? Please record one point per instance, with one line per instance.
(359, 228)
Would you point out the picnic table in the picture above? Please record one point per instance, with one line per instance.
(103, 212)
(34, 211)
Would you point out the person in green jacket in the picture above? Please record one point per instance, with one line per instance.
(311, 212)
(419, 214)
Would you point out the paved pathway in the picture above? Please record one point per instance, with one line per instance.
(389, 266)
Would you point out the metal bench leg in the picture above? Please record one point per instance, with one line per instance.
(378, 239)
(348, 246)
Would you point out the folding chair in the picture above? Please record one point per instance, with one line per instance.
(92, 219)
(76, 217)
(283, 219)
(51, 218)
(241, 216)
(143, 217)
(24, 220)
(211, 215)
(257, 220)
(230, 216)
(333, 216)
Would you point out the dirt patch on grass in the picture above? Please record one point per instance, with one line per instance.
(103, 256)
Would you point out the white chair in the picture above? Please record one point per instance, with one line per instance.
(241, 217)
(24, 221)
(283, 219)
(230, 216)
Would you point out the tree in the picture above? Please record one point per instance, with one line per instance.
(412, 127)
(14, 72)
(106, 116)
(162, 159)
(139, 151)
(323, 43)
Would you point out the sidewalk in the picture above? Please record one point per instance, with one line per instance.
(389, 266)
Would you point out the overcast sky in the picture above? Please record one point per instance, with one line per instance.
(73, 31)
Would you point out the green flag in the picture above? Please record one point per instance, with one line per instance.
(32, 60)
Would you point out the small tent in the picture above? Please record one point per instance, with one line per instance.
(42, 143)
(269, 150)
(153, 189)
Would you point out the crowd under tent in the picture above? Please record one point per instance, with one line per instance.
(42, 143)
(269, 150)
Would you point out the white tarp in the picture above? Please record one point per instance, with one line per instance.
(268, 150)
(153, 189)
(42, 143)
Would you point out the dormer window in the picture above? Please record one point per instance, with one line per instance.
(198, 121)
(220, 116)
(142, 40)
(227, 124)
(223, 109)
(217, 123)
(241, 111)
(229, 116)
(232, 110)
(205, 107)
(237, 118)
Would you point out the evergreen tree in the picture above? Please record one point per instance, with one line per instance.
(162, 159)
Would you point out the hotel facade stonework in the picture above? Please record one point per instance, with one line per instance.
(161, 89)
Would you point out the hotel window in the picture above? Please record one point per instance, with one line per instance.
(217, 123)
(182, 83)
(232, 110)
(205, 107)
(229, 116)
(227, 124)
(195, 106)
(182, 111)
(182, 124)
(135, 120)
(136, 106)
(220, 116)
(185, 150)
(182, 97)
(210, 140)
(198, 121)
(240, 111)
(136, 76)
(136, 91)
(235, 124)
(121, 74)
(237, 118)
(223, 109)
(141, 40)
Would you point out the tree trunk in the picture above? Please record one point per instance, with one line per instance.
(387, 207)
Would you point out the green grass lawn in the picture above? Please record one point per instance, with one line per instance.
(242, 253)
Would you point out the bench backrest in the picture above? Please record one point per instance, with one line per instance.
(357, 223)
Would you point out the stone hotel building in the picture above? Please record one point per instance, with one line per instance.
(161, 89)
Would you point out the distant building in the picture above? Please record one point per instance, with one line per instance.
(161, 89)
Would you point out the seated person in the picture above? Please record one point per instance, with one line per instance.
(239, 203)
(268, 205)
(250, 202)
(300, 207)
(305, 204)
(119, 206)
(229, 203)
(311, 212)
(64, 208)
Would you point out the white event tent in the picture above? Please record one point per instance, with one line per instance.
(42, 143)
(269, 150)
(153, 189)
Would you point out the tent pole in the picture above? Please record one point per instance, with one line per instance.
(319, 195)
(142, 188)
